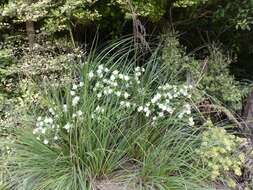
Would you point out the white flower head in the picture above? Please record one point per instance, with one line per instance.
(191, 122)
(67, 126)
(99, 109)
(91, 75)
(48, 120)
(99, 95)
(74, 87)
(169, 109)
(137, 74)
(41, 123)
(118, 93)
(126, 95)
(79, 113)
(35, 131)
(137, 69)
(106, 70)
(181, 115)
(43, 130)
(110, 91)
(115, 84)
(187, 109)
(162, 107)
(190, 86)
(100, 67)
(156, 98)
(126, 78)
(75, 100)
(146, 109)
(122, 103)
(127, 104)
(153, 100)
(103, 80)
(65, 108)
(121, 76)
(169, 96)
(148, 113)
(116, 72)
(45, 141)
(160, 114)
(140, 109)
(112, 78)
(81, 84)
(99, 71)
(51, 111)
(72, 93)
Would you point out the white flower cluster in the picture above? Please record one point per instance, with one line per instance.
(99, 110)
(46, 127)
(114, 83)
(126, 90)
(166, 101)
(74, 94)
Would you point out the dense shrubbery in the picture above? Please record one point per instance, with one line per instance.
(211, 74)
(22, 75)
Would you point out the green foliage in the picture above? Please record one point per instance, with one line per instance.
(219, 83)
(65, 14)
(56, 15)
(5, 61)
(188, 3)
(211, 75)
(220, 151)
(153, 9)
(236, 13)
(23, 75)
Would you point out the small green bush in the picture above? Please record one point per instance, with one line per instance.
(221, 151)
(211, 75)
(23, 74)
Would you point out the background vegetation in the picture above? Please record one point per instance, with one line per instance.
(49, 47)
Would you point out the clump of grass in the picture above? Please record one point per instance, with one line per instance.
(117, 122)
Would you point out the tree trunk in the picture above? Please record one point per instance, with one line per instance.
(30, 33)
(248, 112)
(30, 30)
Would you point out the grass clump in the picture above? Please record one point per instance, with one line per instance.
(118, 123)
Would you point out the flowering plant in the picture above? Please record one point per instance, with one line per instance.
(114, 119)
(125, 92)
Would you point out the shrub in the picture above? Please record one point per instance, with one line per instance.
(22, 76)
(211, 75)
(221, 152)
